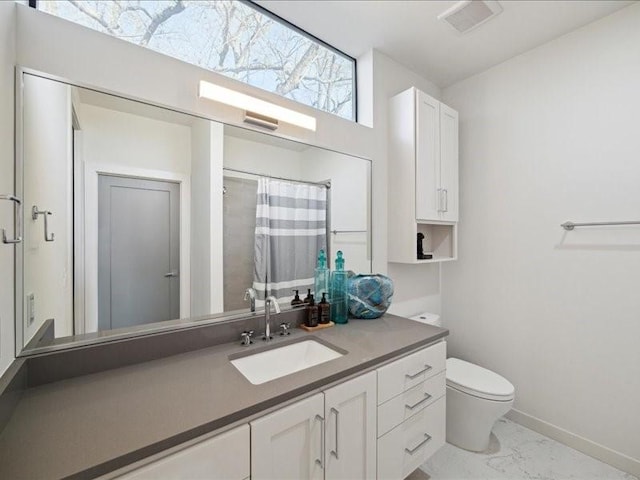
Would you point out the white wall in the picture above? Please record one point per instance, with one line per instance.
(48, 266)
(349, 203)
(7, 59)
(261, 158)
(206, 214)
(550, 136)
(417, 287)
(142, 143)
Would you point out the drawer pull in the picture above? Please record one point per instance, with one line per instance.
(416, 375)
(419, 402)
(419, 446)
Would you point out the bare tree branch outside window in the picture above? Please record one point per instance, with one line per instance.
(229, 37)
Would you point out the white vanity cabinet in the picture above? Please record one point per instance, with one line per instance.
(290, 443)
(223, 457)
(423, 177)
(330, 436)
(350, 413)
(411, 411)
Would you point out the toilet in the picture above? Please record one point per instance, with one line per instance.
(476, 398)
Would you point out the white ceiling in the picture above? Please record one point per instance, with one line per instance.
(410, 33)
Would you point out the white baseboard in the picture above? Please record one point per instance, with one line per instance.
(595, 450)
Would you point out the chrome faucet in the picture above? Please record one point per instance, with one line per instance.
(250, 294)
(267, 315)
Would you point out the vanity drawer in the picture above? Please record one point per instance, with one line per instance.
(410, 371)
(395, 411)
(223, 457)
(410, 444)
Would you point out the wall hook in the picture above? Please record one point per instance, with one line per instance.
(34, 215)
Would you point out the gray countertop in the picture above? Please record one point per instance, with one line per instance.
(86, 426)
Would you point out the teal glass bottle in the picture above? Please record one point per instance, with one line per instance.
(338, 293)
(321, 277)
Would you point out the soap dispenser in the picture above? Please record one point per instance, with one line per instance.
(324, 310)
(296, 302)
(308, 298)
(321, 278)
(338, 294)
(312, 313)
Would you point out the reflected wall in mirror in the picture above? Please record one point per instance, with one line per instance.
(139, 218)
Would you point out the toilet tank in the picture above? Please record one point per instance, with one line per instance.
(428, 318)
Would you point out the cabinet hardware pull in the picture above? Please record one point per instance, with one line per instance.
(17, 205)
(419, 402)
(416, 375)
(335, 452)
(320, 461)
(446, 199)
(419, 446)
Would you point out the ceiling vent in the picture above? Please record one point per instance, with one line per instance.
(466, 15)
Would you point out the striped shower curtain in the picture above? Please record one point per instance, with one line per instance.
(291, 228)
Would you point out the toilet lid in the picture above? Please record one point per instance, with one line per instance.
(478, 381)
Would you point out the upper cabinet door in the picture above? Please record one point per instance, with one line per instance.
(449, 163)
(428, 193)
(288, 444)
(351, 412)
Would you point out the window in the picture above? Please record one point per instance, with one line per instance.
(234, 38)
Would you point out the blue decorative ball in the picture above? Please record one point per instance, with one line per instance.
(369, 295)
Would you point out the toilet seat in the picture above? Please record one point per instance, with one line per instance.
(477, 381)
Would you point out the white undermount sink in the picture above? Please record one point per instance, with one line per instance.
(280, 361)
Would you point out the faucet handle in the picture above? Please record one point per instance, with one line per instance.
(284, 328)
(246, 337)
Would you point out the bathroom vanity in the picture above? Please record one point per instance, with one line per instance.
(377, 410)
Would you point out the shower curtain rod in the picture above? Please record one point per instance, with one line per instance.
(326, 184)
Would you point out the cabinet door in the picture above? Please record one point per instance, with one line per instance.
(289, 443)
(350, 410)
(223, 457)
(427, 157)
(449, 163)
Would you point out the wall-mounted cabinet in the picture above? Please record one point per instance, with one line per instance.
(423, 178)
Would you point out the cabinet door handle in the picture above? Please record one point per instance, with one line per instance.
(419, 402)
(320, 461)
(17, 205)
(446, 199)
(419, 446)
(337, 414)
(417, 374)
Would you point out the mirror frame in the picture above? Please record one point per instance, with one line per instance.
(97, 338)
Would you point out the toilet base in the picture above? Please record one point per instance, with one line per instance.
(470, 419)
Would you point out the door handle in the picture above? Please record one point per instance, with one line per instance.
(320, 461)
(171, 274)
(446, 200)
(17, 204)
(335, 451)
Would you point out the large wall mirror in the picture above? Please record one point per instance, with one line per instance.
(138, 217)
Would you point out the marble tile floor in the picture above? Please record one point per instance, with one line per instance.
(515, 452)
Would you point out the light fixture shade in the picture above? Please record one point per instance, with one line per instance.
(246, 102)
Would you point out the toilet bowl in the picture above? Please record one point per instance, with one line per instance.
(476, 398)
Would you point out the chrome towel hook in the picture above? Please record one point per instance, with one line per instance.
(17, 202)
(34, 215)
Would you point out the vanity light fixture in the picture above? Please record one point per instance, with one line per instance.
(254, 105)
